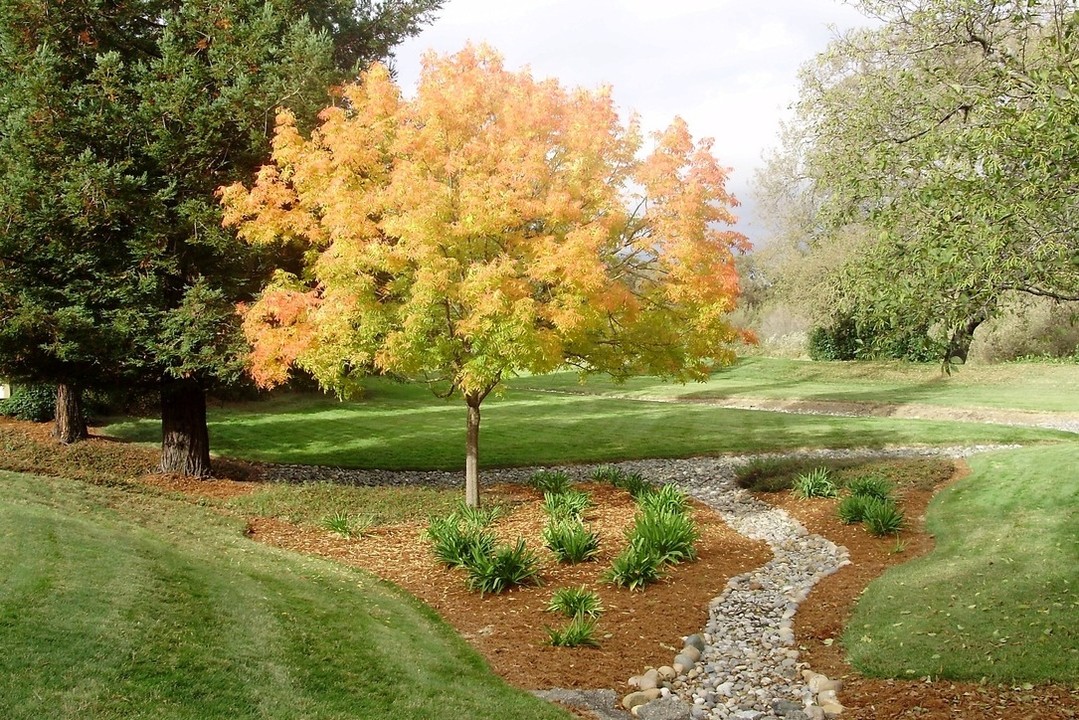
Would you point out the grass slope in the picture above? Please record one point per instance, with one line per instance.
(999, 596)
(403, 426)
(122, 605)
(1016, 386)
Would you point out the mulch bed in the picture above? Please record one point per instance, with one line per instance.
(637, 630)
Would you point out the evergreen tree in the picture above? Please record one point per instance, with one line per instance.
(120, 119)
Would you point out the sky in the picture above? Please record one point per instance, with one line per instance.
(728, 67)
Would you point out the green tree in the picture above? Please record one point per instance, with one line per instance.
(137, 112)
(945, 136)
(66, 207)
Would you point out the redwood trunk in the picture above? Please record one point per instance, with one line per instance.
(185, 441)
(70, 425)
(472, 453)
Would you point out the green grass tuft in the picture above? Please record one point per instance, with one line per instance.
(580, 632)
(455, 543)
(502, 568)
(570, 541)
(347, 526)
(882, 517)
(816, 483)
(871, 486)
(671, 536)
(635, 567)
(633, 483)
(550, 481)
(666, 498)
(576, 601)
(851, 509)
(566, 505)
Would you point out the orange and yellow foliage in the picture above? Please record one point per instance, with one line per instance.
(492, 224)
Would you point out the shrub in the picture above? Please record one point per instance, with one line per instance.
(576, 602)
(670, 536)
(553, 481)
(34, 403)
(635, 567)
(667, 498)
(840, 341)
(502, 568)
(871, 486)
(346, 525)
(851, 509)
(568, 504)
(579, 632)
(883, 518)
(455, 543)
(816, 483)
(570, 540)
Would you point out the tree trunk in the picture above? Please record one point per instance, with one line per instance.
(70, 425)
(185, 441)
(472, 452)
(959, 344)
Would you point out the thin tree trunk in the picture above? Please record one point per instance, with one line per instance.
(185, 441)
(70, 425)
(472, 452)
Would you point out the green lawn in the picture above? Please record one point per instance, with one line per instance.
(119, 604)
(1017, 386)
(404, 426)
(999, 596)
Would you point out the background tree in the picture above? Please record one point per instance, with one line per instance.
(493, 224)
(138, 111)
(947, 131)
(68, 203)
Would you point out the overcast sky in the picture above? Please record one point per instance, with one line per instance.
(729, 67)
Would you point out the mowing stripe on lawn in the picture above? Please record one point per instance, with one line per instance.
(116, 604)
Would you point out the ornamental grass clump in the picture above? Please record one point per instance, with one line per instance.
(633, 483)
(502, 568)
(566, 505)
(635, 567)
(580, 632)
(345, 525)
(871, 486)
(671, 536)
(550, 481)
(666, 498)
(851, 509)
(607, 474)
(570, 541)
(455, 542)
(576, 602)
(816, 483)
(883, 517)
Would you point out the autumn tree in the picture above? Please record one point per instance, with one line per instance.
(121, 119)
(945, 133)
(492, 224)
